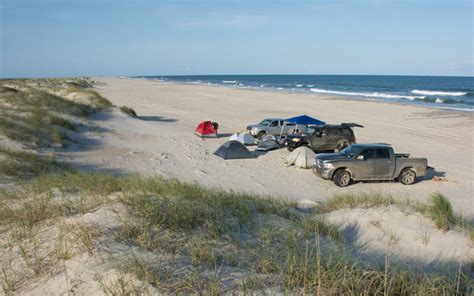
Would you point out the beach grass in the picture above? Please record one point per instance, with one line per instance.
(209, 227)
(38, 113)
(23, 165)
(441, 211)
(129, 111)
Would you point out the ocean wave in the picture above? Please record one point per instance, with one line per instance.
(442, 101)
(438, 93)
(310, 85)
(229, 81)
(299, 85)
(366, 95)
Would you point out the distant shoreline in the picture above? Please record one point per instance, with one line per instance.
(442, 109)
(450, 93)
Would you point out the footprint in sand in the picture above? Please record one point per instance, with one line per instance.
(163, 156)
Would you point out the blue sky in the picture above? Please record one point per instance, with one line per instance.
(100, 37)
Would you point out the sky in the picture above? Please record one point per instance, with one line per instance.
(55, 38)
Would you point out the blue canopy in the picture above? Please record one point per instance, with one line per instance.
(305, 120)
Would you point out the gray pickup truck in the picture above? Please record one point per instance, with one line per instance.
(369, 162)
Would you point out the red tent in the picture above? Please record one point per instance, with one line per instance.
(205, 128)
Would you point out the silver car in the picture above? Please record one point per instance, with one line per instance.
(273, 126)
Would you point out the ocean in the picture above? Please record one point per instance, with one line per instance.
(433, 91)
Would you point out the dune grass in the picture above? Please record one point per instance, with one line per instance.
(438, 209)
(129, 111)
(35, 116)
(24, 165)
(362, 200)
(206, 226)
(441, 211)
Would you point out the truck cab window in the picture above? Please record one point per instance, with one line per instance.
(368, 154)
(383, 153)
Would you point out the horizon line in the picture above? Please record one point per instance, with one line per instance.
(231, 74)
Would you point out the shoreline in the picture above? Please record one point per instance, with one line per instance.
(320, 96)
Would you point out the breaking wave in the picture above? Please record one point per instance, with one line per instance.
(229, 81)
(366, 95)
(438, 93)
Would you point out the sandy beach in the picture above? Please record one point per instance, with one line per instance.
(161, 140)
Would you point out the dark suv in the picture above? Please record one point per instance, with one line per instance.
(324, 137)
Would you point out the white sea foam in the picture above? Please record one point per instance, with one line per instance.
(280, 88)
(438, 93)
(366, 95)
(299, 85)
(310, 85)
(229, 81)
(438, 100)
(262, 85)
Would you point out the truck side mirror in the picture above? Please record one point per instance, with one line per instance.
(360, 157)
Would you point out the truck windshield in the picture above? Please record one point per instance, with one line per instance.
(265, 122)
(351, 151)
(309, 130)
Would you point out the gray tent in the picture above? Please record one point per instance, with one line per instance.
(302, 157)
(233, 150)
(268, 143)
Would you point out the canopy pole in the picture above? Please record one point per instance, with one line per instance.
(281, 131)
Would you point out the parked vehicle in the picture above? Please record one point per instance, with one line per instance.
(361, 162)
(324, 137)
(272, 126)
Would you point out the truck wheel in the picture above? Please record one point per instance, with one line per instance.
(260, 135)
(407, 177)
(341, 144)
(342, 178)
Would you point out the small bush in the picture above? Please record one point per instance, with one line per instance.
(128, 111)
(441, 211)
